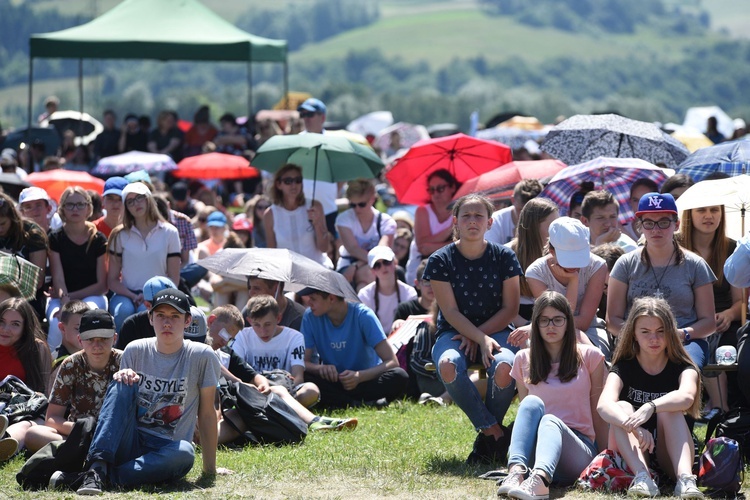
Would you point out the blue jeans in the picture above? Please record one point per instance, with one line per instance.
(697, 349)
(121, 307)
(555, 448)
(135, 457)
(491, 411)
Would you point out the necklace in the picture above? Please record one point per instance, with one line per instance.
(659, 294)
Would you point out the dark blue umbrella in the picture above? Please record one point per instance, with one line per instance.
(731, 158)
(46, 135)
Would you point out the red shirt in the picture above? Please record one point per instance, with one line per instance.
(102, 226)
(10, 364)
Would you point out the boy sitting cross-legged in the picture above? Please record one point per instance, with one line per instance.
(224, 323)
(269, 347)
(82, 380)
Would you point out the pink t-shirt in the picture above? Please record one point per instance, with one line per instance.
(569, 401)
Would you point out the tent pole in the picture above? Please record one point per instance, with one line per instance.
(80, 98)
(31, 85)
(249, 92)
(286, 83)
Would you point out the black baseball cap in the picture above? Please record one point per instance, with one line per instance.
(97, 324)
(171, 297)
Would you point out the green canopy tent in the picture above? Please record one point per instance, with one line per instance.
(158, 29)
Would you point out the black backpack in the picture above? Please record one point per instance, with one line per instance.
(268, 419)
(735, 424)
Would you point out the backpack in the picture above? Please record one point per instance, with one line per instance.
(607, 473)
(734, 424)
(20, 403)
(268, 419)
(720, 466)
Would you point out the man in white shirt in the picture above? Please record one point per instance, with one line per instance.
(504, 220)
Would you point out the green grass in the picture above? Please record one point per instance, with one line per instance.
(404, 451)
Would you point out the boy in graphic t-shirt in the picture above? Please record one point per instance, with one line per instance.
(146, 423)
(269, 347)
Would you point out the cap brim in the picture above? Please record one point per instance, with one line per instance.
(577, 259)
(100, 333)
(306, 107)
(307, 291)
(118, 192)
(641, 212)
(173, 306)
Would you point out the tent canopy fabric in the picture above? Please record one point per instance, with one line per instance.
(163, 30)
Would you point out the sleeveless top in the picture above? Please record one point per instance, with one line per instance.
(295, 232)
(414, 256)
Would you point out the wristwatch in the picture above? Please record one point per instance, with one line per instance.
(687, 335)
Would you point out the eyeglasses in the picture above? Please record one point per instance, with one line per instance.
(544, 321)
(425, 283)
(291, 180)
(307, 114)
(75, 206)
(132, 201)
(437, 189)
(361, 204)
(662, 223)
(261, 207)
(380, 263)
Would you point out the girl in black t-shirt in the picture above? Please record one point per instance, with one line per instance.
(652, 383)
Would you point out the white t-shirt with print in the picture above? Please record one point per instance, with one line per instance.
(282, 352)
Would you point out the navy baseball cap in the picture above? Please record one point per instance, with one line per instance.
(313, 105)
(656, 203)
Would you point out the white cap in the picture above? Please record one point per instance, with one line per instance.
(137, 188)
(35, 193)
(570, 238)
(380, 252)
(739, 123)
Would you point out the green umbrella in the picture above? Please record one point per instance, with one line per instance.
(322, 157)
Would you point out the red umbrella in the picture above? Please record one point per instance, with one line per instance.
(55, 181)
(463, 156)
(215, 166)
(506, 176)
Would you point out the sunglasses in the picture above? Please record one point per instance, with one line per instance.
(132, 201)
(381, 263)
(361, 204)
(437, 189)
(307, 114)
(288, 181)
(76, 206)
(662, 223)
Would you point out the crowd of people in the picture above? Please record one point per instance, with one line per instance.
(515, 301)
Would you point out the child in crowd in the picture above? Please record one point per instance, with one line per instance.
(70, 321)
(268, 347)
(419, 305)
(82, 380)
(387, 292)
(652, 384)
(224, 324)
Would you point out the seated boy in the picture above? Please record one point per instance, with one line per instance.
(145, 426)
(70, 320)
(82, 380)
(267, 347)
(224, 323)
(358, 364)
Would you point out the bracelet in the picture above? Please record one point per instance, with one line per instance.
(653, 405)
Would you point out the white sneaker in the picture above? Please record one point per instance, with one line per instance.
(686, 487)
(533, 488)
(643, 486)
(512, 480)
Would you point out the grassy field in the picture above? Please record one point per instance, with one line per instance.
(404, 451)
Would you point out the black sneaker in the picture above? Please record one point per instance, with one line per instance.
(65, 480)
(91, 485)
(487, 449)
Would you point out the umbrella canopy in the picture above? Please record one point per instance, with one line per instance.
(12, 184)
(215, 166)
(279, 264)
(85, 126)
(352, 136)
(732, 158)
(613, 174)
(45, 135)
(514, 137)
(322, 157)
(585, 137)
(506, 176)
(133, 161)
(733, 193)
(697, 118)
(692, 139)
(463, 156)
(20, 273)
(410, 135)
(55, 181)
(371, 123)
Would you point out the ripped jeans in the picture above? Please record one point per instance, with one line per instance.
(491, 411)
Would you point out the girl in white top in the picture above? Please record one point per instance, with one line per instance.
(142, 247)
(361, 228)
(292, 222)
(433, 223)
(387, 292)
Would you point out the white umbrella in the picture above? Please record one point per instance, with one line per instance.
(133, 161)
(733, 193)
(697, 118)
(371, 123)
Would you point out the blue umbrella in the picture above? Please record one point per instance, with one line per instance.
(731, 158)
